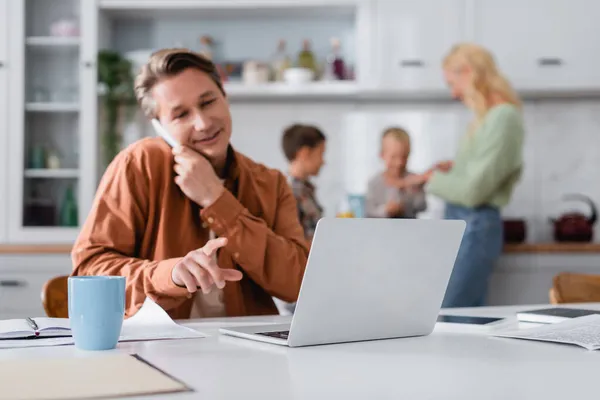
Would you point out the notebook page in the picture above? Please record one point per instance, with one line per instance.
(52, 323)
(14, 328)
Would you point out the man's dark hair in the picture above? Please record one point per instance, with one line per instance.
(298, 136)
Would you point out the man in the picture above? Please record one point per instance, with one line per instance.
(201, 229)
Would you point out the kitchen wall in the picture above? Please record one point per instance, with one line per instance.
(561, 151)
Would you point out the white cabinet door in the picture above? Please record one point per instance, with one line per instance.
(88, 120)
(3, 120)
(52, 120)
(543, 44)
(412, 38)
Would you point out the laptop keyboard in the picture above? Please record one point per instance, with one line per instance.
(278, 335)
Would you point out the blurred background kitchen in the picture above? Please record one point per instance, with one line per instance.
(350, 67)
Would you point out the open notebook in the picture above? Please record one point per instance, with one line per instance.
(23, 328)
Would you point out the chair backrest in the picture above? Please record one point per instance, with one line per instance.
(55, 297)
(575, 288)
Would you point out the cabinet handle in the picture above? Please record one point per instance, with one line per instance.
(88, 64)
(550, 62)
(1, 64)
(12, 283)
(412, 63)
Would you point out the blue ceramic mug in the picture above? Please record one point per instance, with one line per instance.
(96, 311)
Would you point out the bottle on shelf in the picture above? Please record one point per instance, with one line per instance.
(37, 157)
(335, 68)
(306, 58)
(68, 211)
(53, 160)
(281, 61)
(207, 46)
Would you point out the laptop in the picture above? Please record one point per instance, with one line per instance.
(368, 279)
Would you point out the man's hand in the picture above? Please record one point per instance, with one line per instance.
(394, 208)
(198, 269)
(196, 176)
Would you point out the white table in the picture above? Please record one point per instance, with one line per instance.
(448, 364)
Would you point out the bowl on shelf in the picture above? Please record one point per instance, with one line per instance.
(298, 76)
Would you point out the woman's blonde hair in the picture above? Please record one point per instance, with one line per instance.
(486, 80)
(398, 134)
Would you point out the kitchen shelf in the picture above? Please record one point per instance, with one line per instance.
(52, 173)
(52, 107)
(277, 89)
(552, 248)
(52, 41)
(228, 8)
(35, 248)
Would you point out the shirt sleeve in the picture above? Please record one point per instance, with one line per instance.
(493, 160)
(109, 237)
(273, 257)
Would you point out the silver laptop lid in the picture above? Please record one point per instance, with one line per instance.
(374, 279)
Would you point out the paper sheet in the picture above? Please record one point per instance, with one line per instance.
(114, 375)
(582, 331)
(151, 322)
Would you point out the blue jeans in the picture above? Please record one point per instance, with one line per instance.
(480, 249)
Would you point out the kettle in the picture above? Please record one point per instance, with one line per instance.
(575, 226)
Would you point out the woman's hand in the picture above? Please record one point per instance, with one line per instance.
(444, 166)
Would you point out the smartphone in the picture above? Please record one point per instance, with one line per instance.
(162, 132)
(470, 321)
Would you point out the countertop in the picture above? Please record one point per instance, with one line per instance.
(527, 248)
(451, 363)
(552, 248)
(35, 248)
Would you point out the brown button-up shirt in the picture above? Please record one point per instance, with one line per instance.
(141, 225)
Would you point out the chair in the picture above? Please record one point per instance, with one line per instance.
(575, 288)
(55, 298)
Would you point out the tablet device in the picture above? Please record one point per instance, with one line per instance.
(553, 315)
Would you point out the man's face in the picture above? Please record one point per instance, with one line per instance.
(193, 109)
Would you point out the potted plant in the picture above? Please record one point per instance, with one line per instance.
(117, 95)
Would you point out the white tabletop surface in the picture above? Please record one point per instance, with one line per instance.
(451, 363)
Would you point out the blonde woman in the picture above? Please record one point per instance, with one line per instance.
(481, 179)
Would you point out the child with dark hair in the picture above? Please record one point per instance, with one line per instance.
(304, 147)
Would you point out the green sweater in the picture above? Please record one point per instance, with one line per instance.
(488, 164)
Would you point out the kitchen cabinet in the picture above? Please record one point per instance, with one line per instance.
(52, 110)
(526, 278)
(22, 277)
(412, 37)
(542, 45)
(3, 118)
